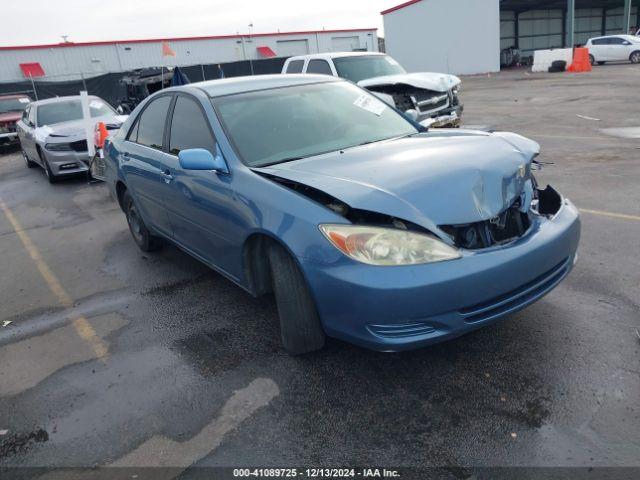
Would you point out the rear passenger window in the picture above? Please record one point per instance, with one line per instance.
(189, 128)
(599, 41)
(319, 66)
(295, 66)
(149, 130)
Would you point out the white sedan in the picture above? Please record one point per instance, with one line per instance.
(614, 48)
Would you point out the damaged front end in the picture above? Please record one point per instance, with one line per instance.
(506, 227)
(434, 108)
(509, 225)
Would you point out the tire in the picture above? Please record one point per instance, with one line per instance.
(29, 163)
(47, 170)
(300, 327)
(139, 231)
(592, 60)
(635, 57)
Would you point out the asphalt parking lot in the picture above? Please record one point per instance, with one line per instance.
(115, 357)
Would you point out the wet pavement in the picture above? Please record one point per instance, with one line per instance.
(117, 357)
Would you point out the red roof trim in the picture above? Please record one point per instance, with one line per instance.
(399, 7)
(178, 39)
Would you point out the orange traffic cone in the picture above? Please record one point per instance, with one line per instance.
(101, 134)
(581, 61)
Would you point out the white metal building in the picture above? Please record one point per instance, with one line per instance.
(70, 61)
(466, 36)
(449, 36)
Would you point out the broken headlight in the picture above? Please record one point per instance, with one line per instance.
(387, 246)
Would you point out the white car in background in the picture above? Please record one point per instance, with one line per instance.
(429, 98)
(614, 48)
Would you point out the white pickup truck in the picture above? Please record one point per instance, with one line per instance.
(431, 98)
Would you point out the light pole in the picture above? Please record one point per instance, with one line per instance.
(250, 52)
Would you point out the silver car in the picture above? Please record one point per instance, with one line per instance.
(52, 133)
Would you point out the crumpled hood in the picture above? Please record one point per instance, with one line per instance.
(445, 177)
(438, 82)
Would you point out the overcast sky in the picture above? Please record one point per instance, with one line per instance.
(87, 20)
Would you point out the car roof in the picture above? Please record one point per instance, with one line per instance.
(626, 37)
(330, 55)
(230, 86)
(62, 99)
(14, 95)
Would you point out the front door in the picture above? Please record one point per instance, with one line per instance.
(201, 205)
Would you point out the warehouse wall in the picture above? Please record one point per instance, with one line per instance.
(69, 62)
(541, 29)
(451, 36)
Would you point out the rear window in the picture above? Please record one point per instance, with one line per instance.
(70, 110)
(295, 66)
(319, 66)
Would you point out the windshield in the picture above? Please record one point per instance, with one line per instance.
(366, 66)
(277, 125)
(69, 110)
(13, 104)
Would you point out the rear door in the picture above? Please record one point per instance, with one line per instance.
(143, 163)
(598, 48)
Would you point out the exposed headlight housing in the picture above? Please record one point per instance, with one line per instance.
(58, 147)
(387, 246)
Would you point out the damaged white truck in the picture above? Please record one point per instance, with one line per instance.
(429, 98)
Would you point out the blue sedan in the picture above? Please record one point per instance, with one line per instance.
(364, 225)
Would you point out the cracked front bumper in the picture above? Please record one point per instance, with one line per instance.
(450, 117)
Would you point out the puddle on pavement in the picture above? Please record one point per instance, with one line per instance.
(622, 132)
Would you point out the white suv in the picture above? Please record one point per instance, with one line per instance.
(614, 48)
(430, 98)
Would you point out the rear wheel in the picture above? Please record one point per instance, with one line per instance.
(300, 327)
(592, 60)
(635, 57)
(139, 231)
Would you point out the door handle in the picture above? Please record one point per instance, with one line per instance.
(125, 156)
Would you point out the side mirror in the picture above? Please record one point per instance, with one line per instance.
(120, 110)
(412, 114)
(202, 159)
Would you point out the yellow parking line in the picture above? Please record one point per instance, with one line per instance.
(81, 324)
(623, 216)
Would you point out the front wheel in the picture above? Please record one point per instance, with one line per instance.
(300, 327)
(635, 57)
(29, 163)
(139, 231)
(47, 169)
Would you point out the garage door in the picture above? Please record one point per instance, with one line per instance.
(289, 48)
(345, 44)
